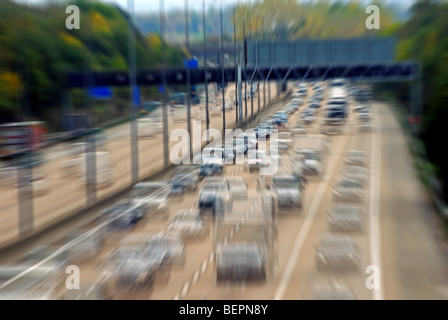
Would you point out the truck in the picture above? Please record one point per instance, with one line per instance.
(250, 250)
(21, 138)
(311, 150)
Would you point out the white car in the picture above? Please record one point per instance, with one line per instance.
(237, 187)
(348, 190)
(146, 128)
(336, 251)
(298, 129)
(345, 217)
(355, 157)
(189, 224)
(357, 173)
(153, 196)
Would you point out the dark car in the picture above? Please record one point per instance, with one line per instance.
(209, 169)
(241, 262)
(212, 203)
(123, 214)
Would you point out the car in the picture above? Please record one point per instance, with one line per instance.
(348, 190)
(189, 224)
(355, 157)
(185, 177)
(357, 173)
(263, 131)
(365, 125)
(238, 187)
(240, 262)
(258, 161)
(212, 203)
(283, 142)
(169, 242)
(299, 129)
(139, 271)
(345, 217)
(337, 252)
(288, 189)
(209, 168)
(311, 160)
(364, 115)
(153, 196)
(123, 214)
(307, 116)
(215, 196)
(314, 105)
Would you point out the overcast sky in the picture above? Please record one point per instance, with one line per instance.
(142, 6)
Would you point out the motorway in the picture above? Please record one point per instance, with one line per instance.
(399, 236)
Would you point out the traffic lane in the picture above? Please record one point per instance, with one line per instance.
(289, 223)
(305, 274)
(416, 262)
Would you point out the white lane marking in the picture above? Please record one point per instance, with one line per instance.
(185, 289)
(298, 244)
(196, 276)
(374, 208)
(204, 266)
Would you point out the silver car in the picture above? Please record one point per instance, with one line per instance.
(237, 187)
(355, 157)
(348, 190)
(357, 173)
(241, 262)
(345, 217)
(337, 252)
(153, 196)
(189, 224)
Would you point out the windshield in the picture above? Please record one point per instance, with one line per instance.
(349, 184)
(215, 187)
(285, 182)
(310, 156)
(241, 256)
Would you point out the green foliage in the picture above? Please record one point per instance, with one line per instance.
(38, 50)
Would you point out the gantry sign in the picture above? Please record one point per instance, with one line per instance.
(363, 59)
